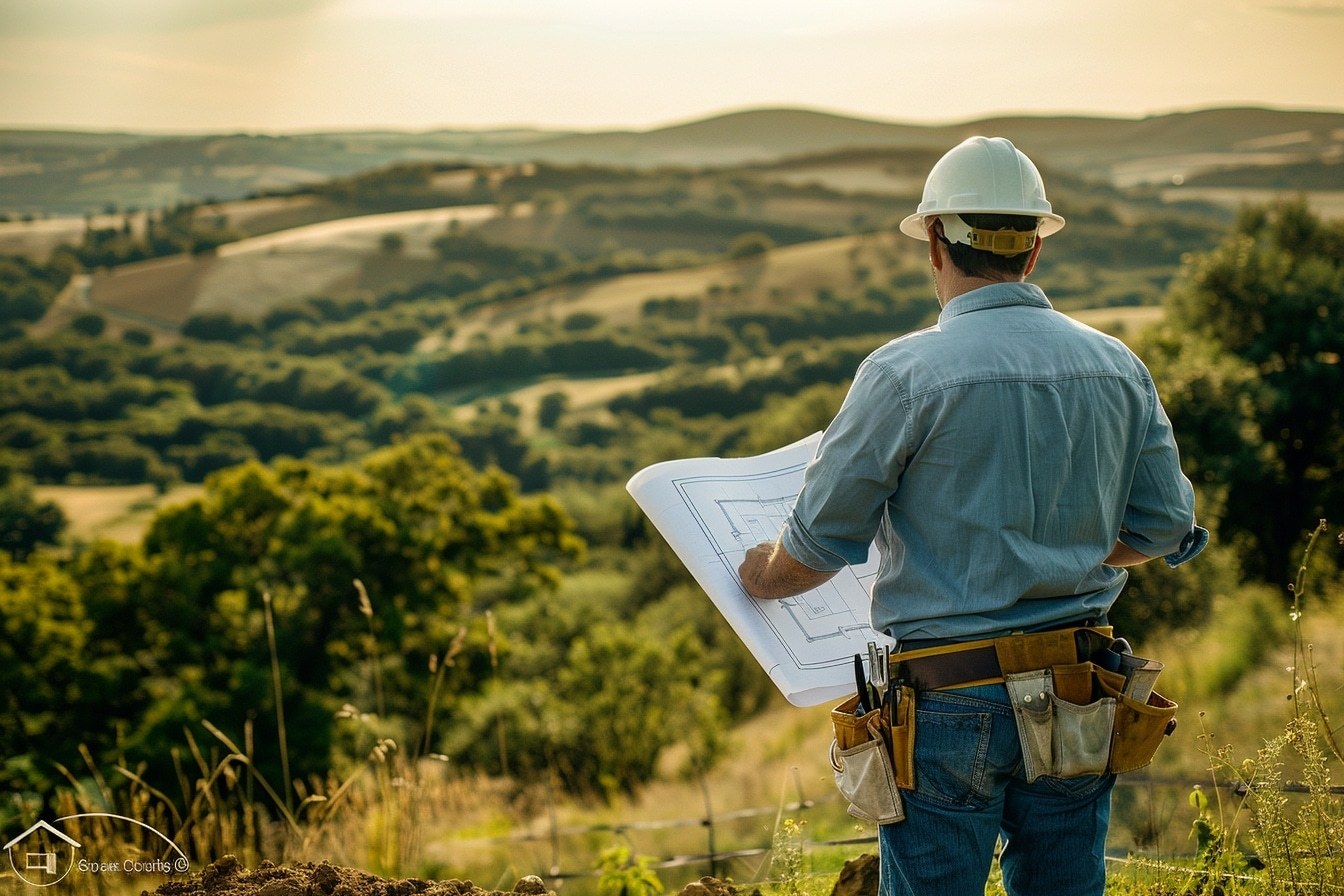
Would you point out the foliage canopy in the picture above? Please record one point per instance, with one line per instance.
(1251, 356)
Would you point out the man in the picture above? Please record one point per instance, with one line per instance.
(1009, 462)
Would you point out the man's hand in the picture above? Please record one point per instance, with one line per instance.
(769, 573)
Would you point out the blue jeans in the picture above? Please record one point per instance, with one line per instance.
(970, 790)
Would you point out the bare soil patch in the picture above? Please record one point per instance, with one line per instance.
(228, 877)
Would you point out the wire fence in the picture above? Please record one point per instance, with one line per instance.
(718, 860)
(713, 860)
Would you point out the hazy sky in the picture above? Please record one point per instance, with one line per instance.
(285, 65)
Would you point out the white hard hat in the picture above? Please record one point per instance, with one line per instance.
(986, 175)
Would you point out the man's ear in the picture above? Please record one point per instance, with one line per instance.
(934, 228)
(1035, 254)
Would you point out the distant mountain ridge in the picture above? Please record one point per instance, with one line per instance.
(55, 172)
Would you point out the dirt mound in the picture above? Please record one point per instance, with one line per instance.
(859, 877)
(711, 886)
(228, 877)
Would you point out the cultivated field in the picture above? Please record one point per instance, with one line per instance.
(1122, 322)
(36, 238)
(773, 278)
(1328, 204)
(114, 512)
(254, 275)
(362, 233)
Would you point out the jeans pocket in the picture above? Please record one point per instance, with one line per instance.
(954, 753)
(863, 776)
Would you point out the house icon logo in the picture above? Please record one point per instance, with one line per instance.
(42, 855)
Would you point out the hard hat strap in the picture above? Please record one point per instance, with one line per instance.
(999, 242)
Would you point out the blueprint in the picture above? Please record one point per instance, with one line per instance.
(711, 510)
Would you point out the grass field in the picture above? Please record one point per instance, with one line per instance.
(254, 275)
(268, 214)
(1122, 322)
(361, 233)
(114, 512)
(853, 177)
(774, 278)
(161, 291)
(1329, 204)
(36, 238)
(1164, 169)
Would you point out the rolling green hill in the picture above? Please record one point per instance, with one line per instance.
(45, 173)
(586, 290)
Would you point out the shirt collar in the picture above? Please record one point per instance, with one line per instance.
(995, 295)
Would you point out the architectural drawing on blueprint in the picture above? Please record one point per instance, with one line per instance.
(738, 512)
(711, 510)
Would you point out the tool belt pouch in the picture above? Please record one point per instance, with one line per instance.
(1081, 719)
(903, 738)
(861, 759)
(1059, 739)
(1139, 729)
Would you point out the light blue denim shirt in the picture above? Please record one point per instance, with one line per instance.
(996, 458)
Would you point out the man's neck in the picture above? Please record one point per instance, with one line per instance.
(952, 283)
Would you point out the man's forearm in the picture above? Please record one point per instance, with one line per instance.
(1124, 555)
(768, 572)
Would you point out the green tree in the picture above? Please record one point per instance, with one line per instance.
(27, 288)
(26, 521)
(42, 633)
(137, 336)
(626, 696)
(69, 676)
(749, 245)
(1249, 359)
(599, 714)
(218, 326)
(422, 530)
(90, 324)
(551, 408)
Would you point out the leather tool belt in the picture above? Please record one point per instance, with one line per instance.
(987, 661)
(1082, 702)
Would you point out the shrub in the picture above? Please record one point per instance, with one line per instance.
(749, 245)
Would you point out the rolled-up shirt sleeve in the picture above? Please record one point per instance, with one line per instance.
(857, 467)
(1159, 518)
